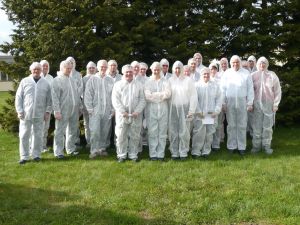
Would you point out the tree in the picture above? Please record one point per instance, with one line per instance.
(150, 30)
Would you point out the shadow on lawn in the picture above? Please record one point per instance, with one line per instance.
(24, 205)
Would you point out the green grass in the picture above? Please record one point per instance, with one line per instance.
(225, 189)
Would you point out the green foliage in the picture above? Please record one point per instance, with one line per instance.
(224, 189)
(150, 30)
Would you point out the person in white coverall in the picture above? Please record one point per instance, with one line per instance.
(223, 66)
(112, 70)
(157, 92)
(165, 68)
(192, 63)
(267, 92)
(66, 100)
(217, 136)
(45, 74)
(128, 101)
(78, 80)
(237, 90)
(252, 64)
(97, 100)
(209, 106)
(33, 105)
(199, 59)
(183, 103)
(91, 70)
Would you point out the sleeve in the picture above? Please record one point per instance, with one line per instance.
(55, 92)
(49, 100)
(277, 91)
(20, 98)
(167, 90)
(250, 90)
(218, 100)
(193, 97)
(116, 99)
(89, 92)
(142, 101)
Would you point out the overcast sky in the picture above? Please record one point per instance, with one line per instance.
(5, 27)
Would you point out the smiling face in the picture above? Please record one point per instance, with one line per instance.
(91, 70)
(36, 72)
(262, 66)
(143, 71)
(236, 64)
(198, 59)
(187, 72)
(224, 65)
(129, 75)
(177, 71)
(45, 68)
(206, 76)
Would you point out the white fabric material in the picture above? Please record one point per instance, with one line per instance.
(97, 100)
(116, 77)
(209, 101)
(156, 93)
(128, 97)
(33, 99)
(66, 100)
(85, 114)
(237, 91)
(182, 102)
(267, 95)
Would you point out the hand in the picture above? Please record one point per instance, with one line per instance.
(47, 116)
(224, 108)
(21, 116)
(214, 115)
(135, 115)
(249, 108)
(275, 108)
(125, 114)
(58, 115)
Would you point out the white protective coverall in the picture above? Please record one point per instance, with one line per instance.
(49, 78)
(33, 100)
(209, 104)
(237, 92)
(78, 80)
(85, 113)
(128, 97)
(267, 96)
(156, 93)
(66, 100)
(182, 103)
(97, 100)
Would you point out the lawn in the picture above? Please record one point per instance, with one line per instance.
(225, 189)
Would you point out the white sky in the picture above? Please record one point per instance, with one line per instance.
(5, 27)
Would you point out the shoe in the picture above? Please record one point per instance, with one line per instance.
(161, 159)
(93, 155)
(174, 158)
(205, 156)
(230, 151)
(74, 153)
(121, 160)
(254, 150)
(60, 157)
(45, 150)
(183, 158)
(136, 160)
(242, 152)
(153, 159)
(268, 151)
(195, 156)
(215, 149)
(22, 161)
(103, 152)
(37, 159)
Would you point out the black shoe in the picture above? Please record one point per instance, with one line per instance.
(60, 157)
(121, 160)
(183, 158)
(153, 159)
(195, 156)
(37, 159)
(215, 149)
(205, 156)
(175, 158)
(22, 162)
(242, 152)
(161, 159)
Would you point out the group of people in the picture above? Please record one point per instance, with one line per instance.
(186, 108)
